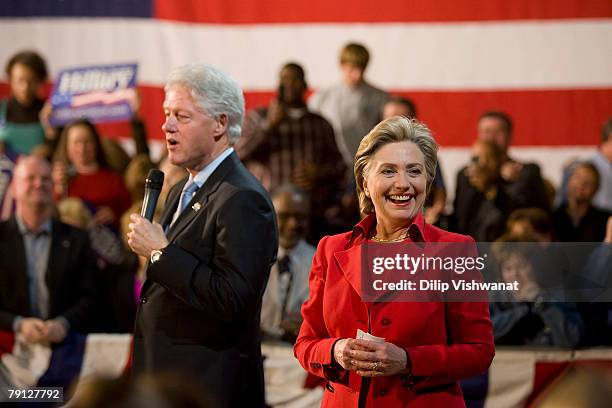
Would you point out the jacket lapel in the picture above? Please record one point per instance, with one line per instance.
(349, 261)
(59, 253)
(171, 203)
(16, 250)
(201, 197)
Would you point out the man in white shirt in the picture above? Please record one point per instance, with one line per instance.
(288, 283)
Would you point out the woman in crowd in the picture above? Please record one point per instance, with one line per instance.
(427, 346)
(530, 315)
(578, 220)
(20, 128)
(81, 170)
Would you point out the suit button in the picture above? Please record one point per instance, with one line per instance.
(143, 300)
(385, 321)
(383, 392)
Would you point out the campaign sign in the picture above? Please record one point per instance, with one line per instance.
(99, 93)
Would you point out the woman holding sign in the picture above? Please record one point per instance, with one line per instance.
(389, 354)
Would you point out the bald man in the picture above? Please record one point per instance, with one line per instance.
(45, 284)
(287, 287)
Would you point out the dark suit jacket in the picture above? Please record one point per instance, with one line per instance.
(115, 309)
(69, 275)
(529, 189)
(200, 305)
(476, 216)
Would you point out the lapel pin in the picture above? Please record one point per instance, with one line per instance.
(196, 207)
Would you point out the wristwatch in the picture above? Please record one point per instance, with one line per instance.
(155, 254)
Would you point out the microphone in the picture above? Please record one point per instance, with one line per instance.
(153, 186)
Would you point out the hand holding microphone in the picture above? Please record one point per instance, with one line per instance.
(145, 236)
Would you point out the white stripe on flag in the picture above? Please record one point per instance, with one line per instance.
(510, 380)
(436, 56)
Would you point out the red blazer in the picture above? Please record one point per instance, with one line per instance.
(444, 341)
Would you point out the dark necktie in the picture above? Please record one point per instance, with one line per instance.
(285, 279)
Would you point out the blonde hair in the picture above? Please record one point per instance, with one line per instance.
(392, 130)
(73, 211)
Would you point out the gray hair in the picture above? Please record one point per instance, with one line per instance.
(214, 91)
(394, 129)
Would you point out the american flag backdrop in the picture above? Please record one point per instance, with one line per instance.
(548, 63)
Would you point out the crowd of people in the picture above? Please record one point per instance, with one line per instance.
(67, 195)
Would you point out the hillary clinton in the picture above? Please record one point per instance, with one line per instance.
(428, 346)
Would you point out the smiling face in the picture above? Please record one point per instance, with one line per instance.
(81, 147)
(32, 186)
(193, 137)
(396, 182)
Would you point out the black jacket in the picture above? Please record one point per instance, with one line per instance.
(69, 275)
(199, 311)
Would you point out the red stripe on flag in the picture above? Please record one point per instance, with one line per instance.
(541, 117)
(324, 11)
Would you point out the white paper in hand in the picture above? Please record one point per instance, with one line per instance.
(361, 335)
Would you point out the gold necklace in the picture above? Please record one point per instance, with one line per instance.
(403, 237)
